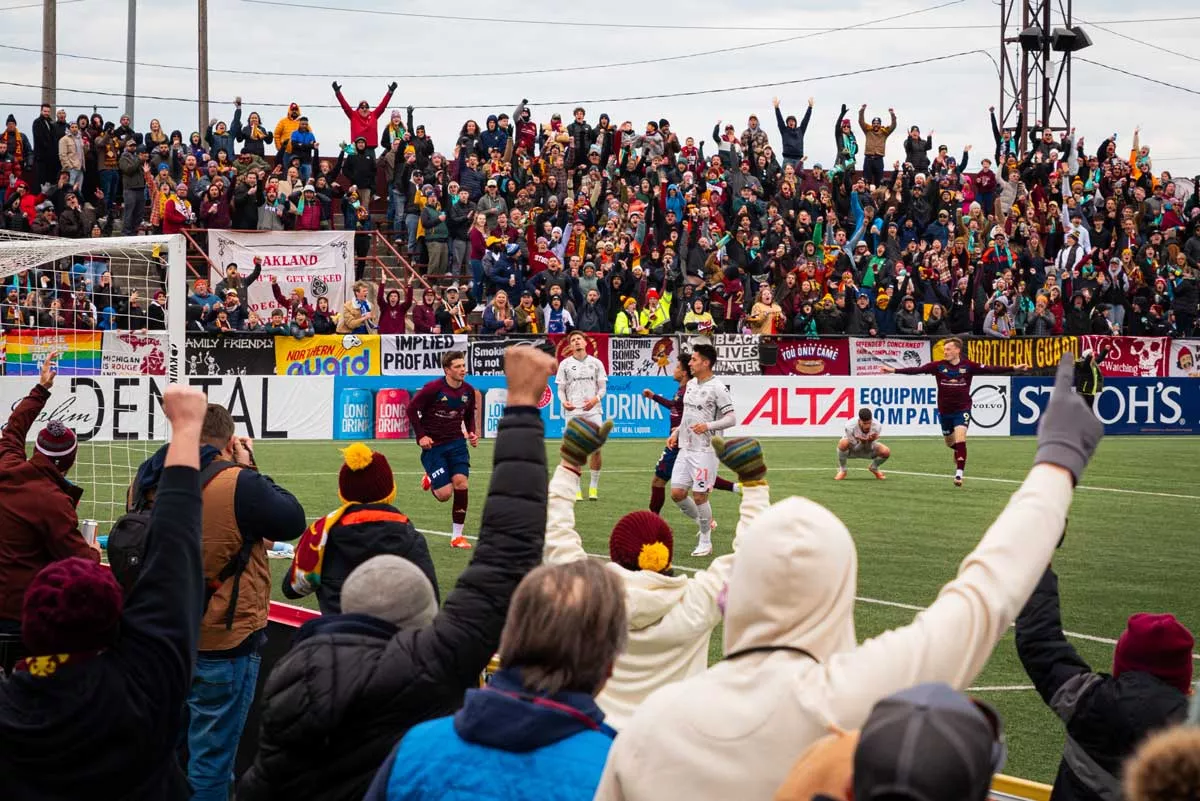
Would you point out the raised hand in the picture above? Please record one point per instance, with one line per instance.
(49, 370)
(581, 439)
(742, 455)
(1069, 431)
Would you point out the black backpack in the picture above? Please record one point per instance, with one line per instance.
(127, 542)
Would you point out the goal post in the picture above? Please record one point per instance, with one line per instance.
(98, 303)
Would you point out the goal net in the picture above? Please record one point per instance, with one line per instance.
(113, 310)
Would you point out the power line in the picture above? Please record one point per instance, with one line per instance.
(1134, 39)
(37, 5)
(1136, 75)
(493, 74)
(495, 104)
(643, 25)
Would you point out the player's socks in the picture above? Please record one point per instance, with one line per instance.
(704, 521)
(457, 529)
(658, 496)
(725, 485)
(594, 483)
(877, 461)
(458, 512)
(688, 507)
(960, 457)
(841, 459)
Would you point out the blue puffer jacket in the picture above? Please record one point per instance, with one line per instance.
(493, 137)
(503, 744)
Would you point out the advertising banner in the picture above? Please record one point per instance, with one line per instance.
(737, 354)
(319, 262)
(132, 353)
(107, 409)
(417, 354)
(822, 407)
(79, 352)
(1040, 353)
(376, 407)
(811, 357)
(1184, 356)
(870, 356)
(1131, 357)
(230, 354)
(632, 414)
(1125, 405)
(328, 354)
(647, 356)
(485, 355)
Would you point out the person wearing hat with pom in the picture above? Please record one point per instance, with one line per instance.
(38, 521)
(365, 525)
(1106, 715)
(94, 711)
(671, 616)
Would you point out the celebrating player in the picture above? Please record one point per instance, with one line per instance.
(439, 414)
(581, 385)
(861, 441)
(666, 462)
(953, 375)
(707, 409)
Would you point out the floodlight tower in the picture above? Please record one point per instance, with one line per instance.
(1035, 90)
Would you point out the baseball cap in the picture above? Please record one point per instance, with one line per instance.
(931, 743)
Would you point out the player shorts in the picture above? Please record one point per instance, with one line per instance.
(594, 417)
(666, 464)
(695, 470)
(863, 450)
(953, 421)
(443, 462)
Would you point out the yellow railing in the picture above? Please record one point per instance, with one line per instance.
(1012, 787)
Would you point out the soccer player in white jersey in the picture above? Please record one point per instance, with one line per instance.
(707, 409)
(861, 441)
(581, 385)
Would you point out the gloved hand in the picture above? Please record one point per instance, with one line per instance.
(392, 86)
(1069, 431)
(581, 440)
(742, 455)
(337, 87)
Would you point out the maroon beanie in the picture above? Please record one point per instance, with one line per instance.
(1159, 645)
(366, 476)
(642, 541)
(57, 443)
(71, 606)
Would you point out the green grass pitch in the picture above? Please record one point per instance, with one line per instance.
(1131, 544)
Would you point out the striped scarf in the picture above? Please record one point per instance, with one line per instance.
(304, 574)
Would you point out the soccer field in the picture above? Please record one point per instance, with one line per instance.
(1131, 544)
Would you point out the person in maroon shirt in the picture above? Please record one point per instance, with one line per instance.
(953, 375)
(392, 310)
(438, 414)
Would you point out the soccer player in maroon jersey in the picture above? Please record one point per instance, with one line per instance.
(439, 413)
(953, 375)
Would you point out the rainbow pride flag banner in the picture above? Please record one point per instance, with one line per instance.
(79, 352)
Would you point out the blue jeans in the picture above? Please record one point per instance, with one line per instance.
(222, 690)
(305, 172)
(477, 280)
(109, 180)
(410, 224)
(395, 199)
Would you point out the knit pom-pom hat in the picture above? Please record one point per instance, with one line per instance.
(72, 605)
(58, 443)
(365, 477)
(642, 541)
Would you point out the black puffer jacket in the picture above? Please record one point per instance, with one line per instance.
(1106, 717)
(352, 685)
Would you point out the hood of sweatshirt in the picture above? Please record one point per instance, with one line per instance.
(793, 583)
(506, 717)
(649, 596)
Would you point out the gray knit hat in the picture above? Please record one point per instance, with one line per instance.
(390, 588)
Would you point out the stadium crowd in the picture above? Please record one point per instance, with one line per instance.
(636, 229)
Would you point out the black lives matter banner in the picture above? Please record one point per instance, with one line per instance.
(417, 354)
(229, 354)
(737, 354)
(485, 355)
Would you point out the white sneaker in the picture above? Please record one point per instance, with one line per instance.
(703, 549)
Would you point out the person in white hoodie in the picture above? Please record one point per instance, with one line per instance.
(671, 616)
(793, 669)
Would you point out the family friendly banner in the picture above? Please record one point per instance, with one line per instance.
(321, 263)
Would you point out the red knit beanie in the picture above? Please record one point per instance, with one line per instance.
(366, 476)
(57, 442)
(642, 541)
(1159, 645)
(71, 606)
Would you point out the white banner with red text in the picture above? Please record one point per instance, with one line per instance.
(321, 263)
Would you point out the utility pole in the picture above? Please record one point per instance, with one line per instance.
(130, 57)
(49, 50)
(202, 40)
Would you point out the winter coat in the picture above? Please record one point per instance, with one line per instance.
(1106, 717)
(492, 138)
(671, 617)
(57, 731)
(916, 152)
(367, 127)
(502, 744)
(353, 685)
(792, 138)
(38, 523)
(876, 144)
(392, 318)
(254, 139)
(792, 663)
(284, 129)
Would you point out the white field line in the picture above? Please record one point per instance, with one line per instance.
(1002, 688)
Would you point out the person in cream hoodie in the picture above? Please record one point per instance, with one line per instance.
(671, 616)
(793, 669)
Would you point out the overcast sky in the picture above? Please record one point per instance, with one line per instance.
(950, 96)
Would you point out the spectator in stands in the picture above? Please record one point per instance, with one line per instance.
(1166, 767)
(424, 314)
(364, 526)
(405, 661)
(323, 318)
(358, 316)
(106, 670)
(784, 659)
(454, 315)
(364, 123)
(38, 522)
(1106, 716)
(393, 313)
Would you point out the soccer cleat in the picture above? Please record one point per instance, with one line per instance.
(593, 494)
(426, 483)
(841, 475)
(460, 542)
(703, 549)
(875, 471)
(579, 495)
(958, 481)
(712, 524)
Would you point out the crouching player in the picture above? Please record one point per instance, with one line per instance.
(861, 441)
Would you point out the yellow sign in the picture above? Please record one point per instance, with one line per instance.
(1037, 352)
(328, 354)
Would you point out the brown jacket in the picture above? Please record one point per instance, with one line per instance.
(876, 143)
(352, 318)
(38, 523)
(220, 542)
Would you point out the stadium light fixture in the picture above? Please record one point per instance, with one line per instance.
(1069, 40)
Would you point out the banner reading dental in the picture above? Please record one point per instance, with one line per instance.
(319, 262)
(870, 356)
(1040, 353)
(413, 354)
(328, 354)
